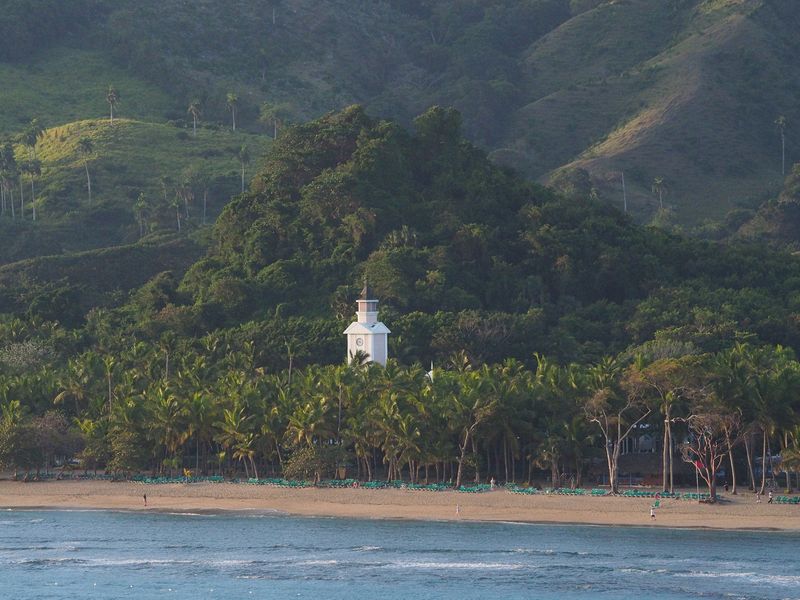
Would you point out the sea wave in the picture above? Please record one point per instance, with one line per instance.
(751, 577)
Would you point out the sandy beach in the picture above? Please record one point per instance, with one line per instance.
(734, 512)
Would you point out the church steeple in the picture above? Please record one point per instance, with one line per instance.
(367, 306)
(367, 334)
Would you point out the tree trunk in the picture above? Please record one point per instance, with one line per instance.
(749, 454)
(505, 456)
(33, 199)
(554, 473)
(243, 178)
(665, 451)
(733, 470)
(88, 180)
(194, 126)
(463, 449)
(205, 204)
(763, 460)
(477, 460)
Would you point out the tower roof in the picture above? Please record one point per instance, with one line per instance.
(367, 293)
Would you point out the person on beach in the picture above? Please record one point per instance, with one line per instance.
(492, 483)
(458, 510)
(769, 501)
(145, 499)
(652, 513)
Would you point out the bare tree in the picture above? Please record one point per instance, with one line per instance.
(712, 429)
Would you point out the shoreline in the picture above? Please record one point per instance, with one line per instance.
(736, 513)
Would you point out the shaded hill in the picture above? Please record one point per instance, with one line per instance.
(687, 90)
(65, 288)
(778, 221)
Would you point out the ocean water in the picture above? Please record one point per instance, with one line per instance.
(98, 554)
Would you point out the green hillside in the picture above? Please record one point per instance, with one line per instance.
(127, 159)
(63, 84)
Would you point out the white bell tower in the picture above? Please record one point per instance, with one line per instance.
(367, 334)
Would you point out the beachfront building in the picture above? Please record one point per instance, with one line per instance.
(367, 334)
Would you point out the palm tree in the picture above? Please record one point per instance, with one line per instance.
(244, 160)
(109, 362)
(33, 168)
(74, 384)
(203, 180)
(185, 190)
(780, 122)
(194, 110)
(235, 434)
(85, 148)
(232, 102)
(112, 97)
(274, 115)
(200, 418)
(8, 172)
(33, 133)
(176, 204)
(166, 422)
(140, 209)
(659, 188)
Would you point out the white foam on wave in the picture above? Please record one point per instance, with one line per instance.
(466, 566)
(367, 548)
(752, 577)
(312, 563)
(135, 562)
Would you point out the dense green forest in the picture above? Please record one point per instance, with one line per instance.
(240, 361)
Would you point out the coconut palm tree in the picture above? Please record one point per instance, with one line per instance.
(201, 414)
(659, 188)
(166, 422)
(31, 136)
(33, 168)
(86, 148)
(140, 208)
(112, 97)
(234, 433)
(244, 160)
(232, 101)
(194, 110)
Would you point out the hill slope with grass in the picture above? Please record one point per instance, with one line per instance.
(687, 91)
(127, 161)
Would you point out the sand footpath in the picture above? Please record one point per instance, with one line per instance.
(734, 512)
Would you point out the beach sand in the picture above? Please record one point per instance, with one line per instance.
(734, 512)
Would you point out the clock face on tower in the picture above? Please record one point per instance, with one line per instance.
(359, 341)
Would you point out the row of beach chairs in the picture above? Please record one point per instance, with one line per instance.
(787, 499)
(184, 479)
